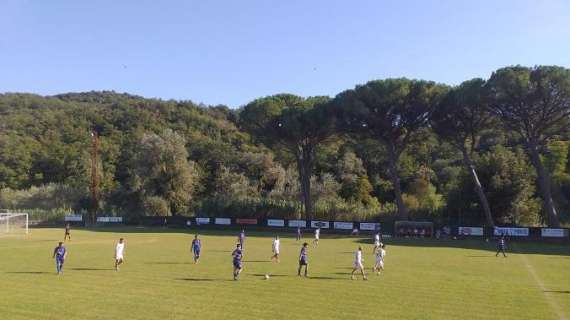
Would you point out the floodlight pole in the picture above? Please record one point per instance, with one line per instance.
(94, 177)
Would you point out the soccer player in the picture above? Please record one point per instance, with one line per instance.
(275, 249)
(298, 233)
(59, 253)
(303, 260)
(501, 245)
(237, 255)
(358, 264)
(241, 238)
(317, 235)
(67, 232)
(196, 247)
(379, 265)
(119, 253)
(377, 242)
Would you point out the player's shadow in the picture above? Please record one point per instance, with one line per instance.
(481, 256)
(557, 291)
(167, 262)
(27, 272)
(323, 278)
(271, 275)
(196, 279)
(91, 269)
(256, 261)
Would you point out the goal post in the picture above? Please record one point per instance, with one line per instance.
(14, 223)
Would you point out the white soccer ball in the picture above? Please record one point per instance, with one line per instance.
(266, 277)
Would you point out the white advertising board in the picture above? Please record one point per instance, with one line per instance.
(224, 221)
(320, 224)
(297, 223)
(275, 222)
(513, 232)
(470, 231)
(343, 225)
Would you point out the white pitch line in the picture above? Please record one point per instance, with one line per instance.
(547, 295)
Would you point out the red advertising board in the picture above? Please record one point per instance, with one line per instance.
(246, 221)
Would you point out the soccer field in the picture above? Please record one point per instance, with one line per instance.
(424, 279)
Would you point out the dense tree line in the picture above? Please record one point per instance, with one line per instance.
(484, 152)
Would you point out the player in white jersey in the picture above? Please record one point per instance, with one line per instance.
(358, 264)
(377, 242)
(119, 253)
(275, 249)
(379, 265)
(317, 236)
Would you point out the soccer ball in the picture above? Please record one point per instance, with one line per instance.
(266, 277)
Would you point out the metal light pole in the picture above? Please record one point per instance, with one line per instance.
(94, 187)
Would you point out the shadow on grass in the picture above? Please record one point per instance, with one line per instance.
(28, 272)
(91, 269)
(167, 262)
(556, 291)
(513, 245)
(197, 279)
(323, 278)
(271, 275)
(256, 261)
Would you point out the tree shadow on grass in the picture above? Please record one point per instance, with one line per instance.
(27, 272)
(513, 245)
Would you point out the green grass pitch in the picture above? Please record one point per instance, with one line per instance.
(424, 279)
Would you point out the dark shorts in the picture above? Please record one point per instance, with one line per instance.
(196, 252)
(303, 262)
(237, 264)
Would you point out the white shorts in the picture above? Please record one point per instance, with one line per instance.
(380, 263)
(275, 251)
(119, 257)
(358, 265)
(377, 243)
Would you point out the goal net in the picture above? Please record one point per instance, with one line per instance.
(13, 223)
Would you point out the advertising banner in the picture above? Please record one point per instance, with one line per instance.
(246, 221)
(297, 224)
(320, 224)
(553, 233)
(343, 225)
(275, 223)
(513, 232)
(200, 221)
(74, 218)
(470, 231)
(370, 226)
(110, 219)
(223, 221)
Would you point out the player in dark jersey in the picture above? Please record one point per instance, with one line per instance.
(59, 253)
(501, 245)
(241, 238)
(303, 260)
(67, 232)
(237, 256)
(196, 247)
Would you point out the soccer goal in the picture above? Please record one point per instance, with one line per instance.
(13, 222)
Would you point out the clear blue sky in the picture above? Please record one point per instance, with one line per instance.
(230, 52)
